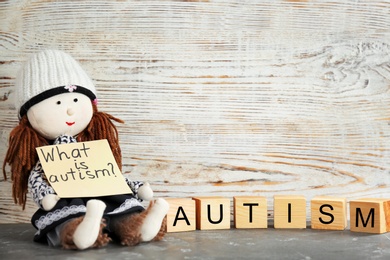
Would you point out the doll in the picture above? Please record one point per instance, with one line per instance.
(57, 104)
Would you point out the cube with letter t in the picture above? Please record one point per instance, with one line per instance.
(250, 211)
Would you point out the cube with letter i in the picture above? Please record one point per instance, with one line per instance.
(212, 213)
(181, 215)
(250, 212)
(370, 215)
(289, 211)
(328, 213)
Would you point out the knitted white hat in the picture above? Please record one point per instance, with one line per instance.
(49, 73)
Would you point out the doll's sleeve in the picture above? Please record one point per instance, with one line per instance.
(38, 185)
(134, 186)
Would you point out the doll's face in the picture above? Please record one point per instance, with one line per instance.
(67, 113)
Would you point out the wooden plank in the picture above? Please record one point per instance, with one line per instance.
(224, 98)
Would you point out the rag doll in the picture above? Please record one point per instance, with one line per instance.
(57, 104)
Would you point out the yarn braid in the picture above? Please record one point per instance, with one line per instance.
(102, 127)
(22, 157)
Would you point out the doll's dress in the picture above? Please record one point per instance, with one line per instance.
(48, 223)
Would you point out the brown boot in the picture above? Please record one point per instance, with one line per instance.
(68, 232)
(131, 229)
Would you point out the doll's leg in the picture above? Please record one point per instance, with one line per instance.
(144, 226)
(154, 220)
(87, 231)
(163, 230)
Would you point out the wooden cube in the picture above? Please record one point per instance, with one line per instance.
(181, 215)
(212, 213)
(289, 211)
(370, 215)
(250, 212)
(328, 213)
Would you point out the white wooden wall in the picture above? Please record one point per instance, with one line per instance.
(224, 97)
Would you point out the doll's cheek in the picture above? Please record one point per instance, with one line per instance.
(31, 118)
(34, 120)
(38, 124)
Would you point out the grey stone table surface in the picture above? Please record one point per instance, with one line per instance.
(16, 243)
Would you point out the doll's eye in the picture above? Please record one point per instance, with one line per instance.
(58, 102)
(75, 100)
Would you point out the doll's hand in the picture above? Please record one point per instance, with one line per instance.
(49, 201)
(145, 192)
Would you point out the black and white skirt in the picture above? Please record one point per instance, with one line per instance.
(69, 208)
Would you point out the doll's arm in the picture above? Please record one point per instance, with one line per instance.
(49, 201)
(40, 188)
(141, 190)
(145, 192)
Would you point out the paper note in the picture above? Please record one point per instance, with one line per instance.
(84, 169)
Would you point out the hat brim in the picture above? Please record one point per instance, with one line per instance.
(52, 92)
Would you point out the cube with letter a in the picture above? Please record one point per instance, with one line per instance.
(328, 213)
(181, 215)
(289, 211)
(370, 215)
(250, 212)
(212, 213)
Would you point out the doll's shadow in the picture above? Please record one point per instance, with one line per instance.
(16, 240)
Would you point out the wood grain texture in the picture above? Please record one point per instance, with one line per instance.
(226, 98)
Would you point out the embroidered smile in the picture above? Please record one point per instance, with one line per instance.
(70, 123)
